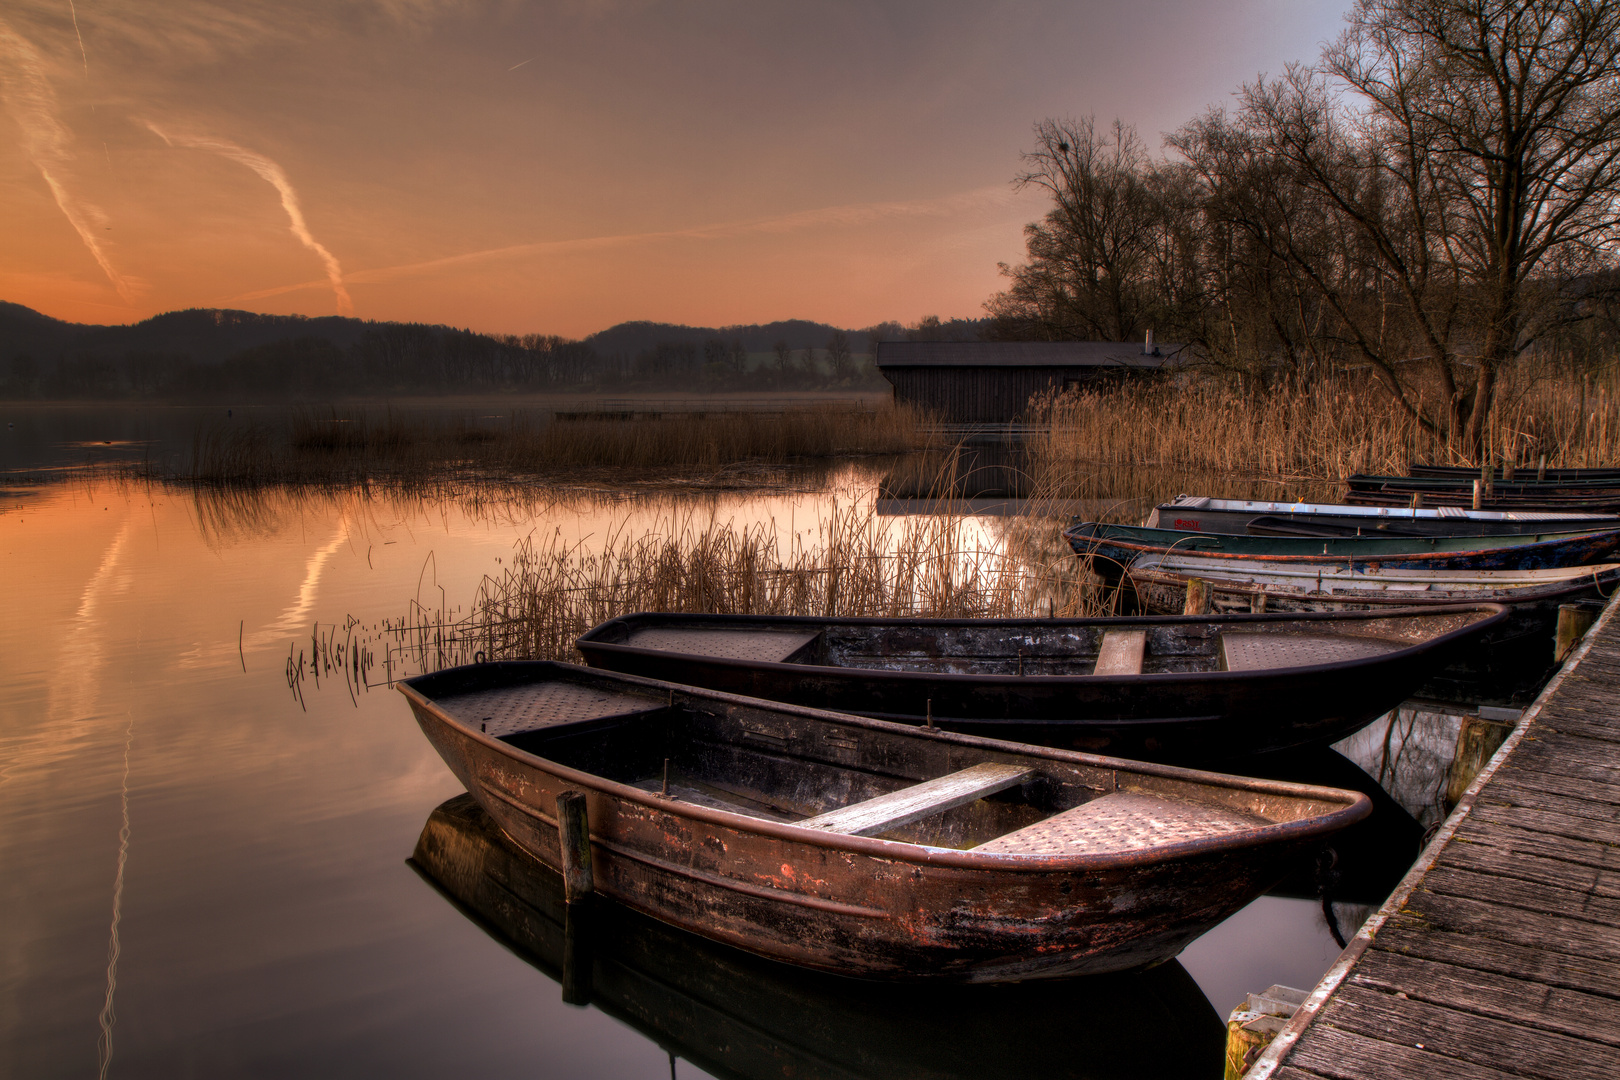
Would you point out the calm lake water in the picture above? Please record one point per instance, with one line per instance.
(201, 877)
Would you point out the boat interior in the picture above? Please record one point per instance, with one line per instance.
(1048, 648)
(855, 777)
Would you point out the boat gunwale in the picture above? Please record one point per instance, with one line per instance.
(1058, 681)
(1387, 512)
(1513, 543)
(1348, 812)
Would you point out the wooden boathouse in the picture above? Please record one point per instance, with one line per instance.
(991, 382)
(1499, 954)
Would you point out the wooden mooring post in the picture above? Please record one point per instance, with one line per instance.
(574, 842)
(1574, 620)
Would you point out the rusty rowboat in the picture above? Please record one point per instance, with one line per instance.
(861, 847)
(1186, 689)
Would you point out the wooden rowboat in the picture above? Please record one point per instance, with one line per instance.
(1186, 689)
(1200, 513)
(1505, 665)
(860, 847)
(1114, 547)
(1467, 473)
(736, 1015)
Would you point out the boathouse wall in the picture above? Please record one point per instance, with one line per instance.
(991, 382)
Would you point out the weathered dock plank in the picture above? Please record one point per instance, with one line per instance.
(1499, 955)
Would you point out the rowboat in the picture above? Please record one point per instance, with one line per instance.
(1113, 547)
(861, 847)
(1502, 494)
(1184, 689)
(736, 1015)
(1466, 473)
(1200, 513)
(1507, 664)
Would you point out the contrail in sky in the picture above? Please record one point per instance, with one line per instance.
(32, 104)
(82, 54)
(276, 177)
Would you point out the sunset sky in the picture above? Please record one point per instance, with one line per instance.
(559, 167)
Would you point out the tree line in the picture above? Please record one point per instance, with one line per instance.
(1435, 199)
(202, 355)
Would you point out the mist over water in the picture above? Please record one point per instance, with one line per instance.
(203, 876)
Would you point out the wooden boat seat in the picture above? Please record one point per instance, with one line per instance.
(1256, 651)
(768, 646)
(1121, 652)
(1123, 821)
(515, 709)
(919, 801)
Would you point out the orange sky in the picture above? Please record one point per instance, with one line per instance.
(560, 167)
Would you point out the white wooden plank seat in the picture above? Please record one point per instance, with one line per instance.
(770, 646)
(919, 801)
(1123, 821)
(1121, 652)
(1256, 651)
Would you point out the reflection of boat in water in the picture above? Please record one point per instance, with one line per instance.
(736, 1015)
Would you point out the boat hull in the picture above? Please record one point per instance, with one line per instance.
(1236, 517)
(1186, 717)
(1507, 665)
(1114, 547)
(867, 907)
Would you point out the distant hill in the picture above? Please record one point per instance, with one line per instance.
(219, 352)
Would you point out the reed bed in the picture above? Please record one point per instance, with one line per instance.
(349, 448)
(858, 564)
(1322, 433)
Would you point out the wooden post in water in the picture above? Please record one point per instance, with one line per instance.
(574, 838)
(1541, 469)
(1476, 494)
(1507, 470)
(1477, 740)
(1573, 623)
(1197, 597)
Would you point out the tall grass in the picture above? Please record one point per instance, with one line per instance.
(857, 564)
(1229, 429)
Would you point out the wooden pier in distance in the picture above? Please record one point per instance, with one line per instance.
(1499, 954)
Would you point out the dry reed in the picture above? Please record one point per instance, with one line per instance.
(1324, 433)
(858, 564)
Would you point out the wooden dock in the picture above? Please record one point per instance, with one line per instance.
(1499, 954)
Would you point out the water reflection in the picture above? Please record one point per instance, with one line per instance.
(736, 1015)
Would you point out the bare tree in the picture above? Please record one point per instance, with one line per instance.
(838, 354)
(784, 357)
(1477, 168)
(1091, 257)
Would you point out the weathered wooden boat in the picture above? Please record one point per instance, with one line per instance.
(1502, 494)
(1113, 547)
(860, 847)
(1506, 665)
(1466, 473)
(1200, 513)
(1184, 689)
(736, 1015)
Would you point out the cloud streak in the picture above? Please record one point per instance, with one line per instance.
(276, 177)
(845, 216)
(31, 102)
